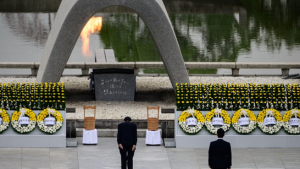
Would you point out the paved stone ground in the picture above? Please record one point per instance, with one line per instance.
(105, 155)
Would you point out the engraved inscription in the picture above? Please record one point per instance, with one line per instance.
(113, 87)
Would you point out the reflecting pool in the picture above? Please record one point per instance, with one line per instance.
(207, 31)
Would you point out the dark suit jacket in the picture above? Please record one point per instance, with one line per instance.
(127, 133)
(219, 154)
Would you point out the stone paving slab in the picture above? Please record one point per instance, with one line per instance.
(105, 155)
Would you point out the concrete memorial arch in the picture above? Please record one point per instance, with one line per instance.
(72, 16)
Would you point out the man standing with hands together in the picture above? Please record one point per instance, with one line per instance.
(127, 138)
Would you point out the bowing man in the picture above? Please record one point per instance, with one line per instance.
(127, 138)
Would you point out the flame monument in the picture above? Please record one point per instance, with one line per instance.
(71, 17)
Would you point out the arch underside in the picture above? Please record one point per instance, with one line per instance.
(74, 14)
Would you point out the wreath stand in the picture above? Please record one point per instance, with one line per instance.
(153, 134)
(89, 135)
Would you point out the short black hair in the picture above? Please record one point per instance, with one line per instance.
(127, 118)
(220, 133)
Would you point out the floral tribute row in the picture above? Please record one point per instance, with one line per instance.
(32, 121)
(269, 121)
(35, 96)
(235, 96)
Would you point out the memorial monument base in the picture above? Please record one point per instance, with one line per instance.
(256, 139)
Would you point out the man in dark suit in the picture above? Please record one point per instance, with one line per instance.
(127, 138)
(219, 153)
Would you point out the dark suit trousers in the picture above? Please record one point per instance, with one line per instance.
(126, 154)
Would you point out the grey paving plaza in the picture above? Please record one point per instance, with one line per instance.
(105, 155)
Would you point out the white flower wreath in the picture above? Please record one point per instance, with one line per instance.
(208, 117)
(50, 129)
(5, 120)
(269, 129)
(244, 129)
(287, 116)
(191, 129)
(23, 129)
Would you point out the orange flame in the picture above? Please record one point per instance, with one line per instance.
(92, 26)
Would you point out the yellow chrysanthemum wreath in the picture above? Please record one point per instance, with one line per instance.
(50, 129)
(287, 127)
(212, 129)
(191, 129)
(23, 129)
(269, 129)
(5, 120)
(243, 129)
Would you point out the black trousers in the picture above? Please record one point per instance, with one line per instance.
(126, 155)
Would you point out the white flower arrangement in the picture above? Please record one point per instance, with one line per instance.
(213, 129)
(244, 129)
(5, 120)
(23, 129)
(49, 129)
(269, 129)
(4, 126)
(294, 130)
(191, 129)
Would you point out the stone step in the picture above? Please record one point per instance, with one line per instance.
(113, 124)
(166, 126)
(71, 142)
(169, 142)
(141, 133)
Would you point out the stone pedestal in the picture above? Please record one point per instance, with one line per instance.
(257, 139)
(36, 138)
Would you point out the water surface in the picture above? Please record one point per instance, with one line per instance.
(207, 31)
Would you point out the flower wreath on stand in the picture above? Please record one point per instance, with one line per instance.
(191, 121)
(49, 121)
(244, 121)
(217, 113)
(23, 121)
(269, 121)
(4, 121)
(291, 120)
